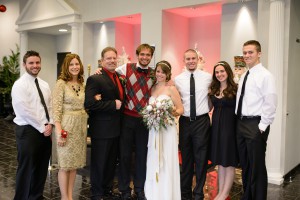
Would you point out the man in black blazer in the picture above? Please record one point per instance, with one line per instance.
(104, 123)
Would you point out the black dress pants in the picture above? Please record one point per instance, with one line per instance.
(193, 143)
(34, 150)
(103, 164)
(252, 152)
(133, 133)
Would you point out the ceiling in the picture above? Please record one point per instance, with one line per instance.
(198, 10)
(53, 30)
(189, 12)
(129, 19)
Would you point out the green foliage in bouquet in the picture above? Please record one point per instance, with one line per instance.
(158, 114)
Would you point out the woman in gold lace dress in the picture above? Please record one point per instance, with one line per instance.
(70, 123)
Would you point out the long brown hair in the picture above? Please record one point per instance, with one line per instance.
(230, 90)
(65, 74)
(165, 67)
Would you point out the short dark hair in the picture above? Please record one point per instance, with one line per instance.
(29, 54)
(144, 46)
(255, 43)
(106, 49)
(190, 50)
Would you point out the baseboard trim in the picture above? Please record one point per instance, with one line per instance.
(275, 178)
(291, 173)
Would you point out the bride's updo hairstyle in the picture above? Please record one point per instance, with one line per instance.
(165, 67)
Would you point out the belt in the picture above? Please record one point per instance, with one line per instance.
(248, 117)
(193, 119)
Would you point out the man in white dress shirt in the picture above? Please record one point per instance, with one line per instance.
(255, 109)
(33, 128)
(193, 131)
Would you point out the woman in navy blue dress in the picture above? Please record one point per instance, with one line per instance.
(223, 150)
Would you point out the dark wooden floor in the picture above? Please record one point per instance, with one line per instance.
(8, 165)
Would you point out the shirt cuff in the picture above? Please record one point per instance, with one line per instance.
(262, 126)
(41, 129)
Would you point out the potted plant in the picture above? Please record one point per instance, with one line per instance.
(9, 73)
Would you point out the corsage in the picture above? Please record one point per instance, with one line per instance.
(63, 134)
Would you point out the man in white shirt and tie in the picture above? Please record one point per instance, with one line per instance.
(31, 100)
(194, 125)
(255, 109)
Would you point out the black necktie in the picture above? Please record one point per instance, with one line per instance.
(42, 98)
(240, 105)
(142, 70)
(192, 98)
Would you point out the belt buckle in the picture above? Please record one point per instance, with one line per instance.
(193, 119)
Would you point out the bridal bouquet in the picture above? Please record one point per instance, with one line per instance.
(158, 114)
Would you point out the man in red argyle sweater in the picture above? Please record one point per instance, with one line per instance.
(133, 132)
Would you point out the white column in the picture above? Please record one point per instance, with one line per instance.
(74, 38)
(23, 49)
(276, 142)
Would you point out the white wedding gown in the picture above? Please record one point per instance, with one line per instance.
(163, 176)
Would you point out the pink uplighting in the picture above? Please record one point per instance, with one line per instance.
(185, 28)
(128, 19)
(198, 10)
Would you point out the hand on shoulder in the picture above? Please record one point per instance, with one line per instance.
(98, 71)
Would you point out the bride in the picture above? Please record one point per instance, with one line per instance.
(163, 176)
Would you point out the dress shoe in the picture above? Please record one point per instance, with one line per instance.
(140, 195)
(187, 196)
(110, 195)
(126, 196)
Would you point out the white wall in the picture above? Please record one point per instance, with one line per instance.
(87, 56)
(292, 147)
(8, 36)
(263, 21)
(63, 43)
(174, 40)
(239, 24)
(206, 32)
(104, 35)
(46, 46)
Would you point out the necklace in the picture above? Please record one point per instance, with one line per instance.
(76, 90)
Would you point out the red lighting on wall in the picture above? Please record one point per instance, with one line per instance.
(2, 8)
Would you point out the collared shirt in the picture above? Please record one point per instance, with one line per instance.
(118, 84)
(122, 69)
(27, 102)
(260, 98)
(202, 82)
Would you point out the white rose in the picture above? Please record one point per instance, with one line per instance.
(158, 104)
(149, 108)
